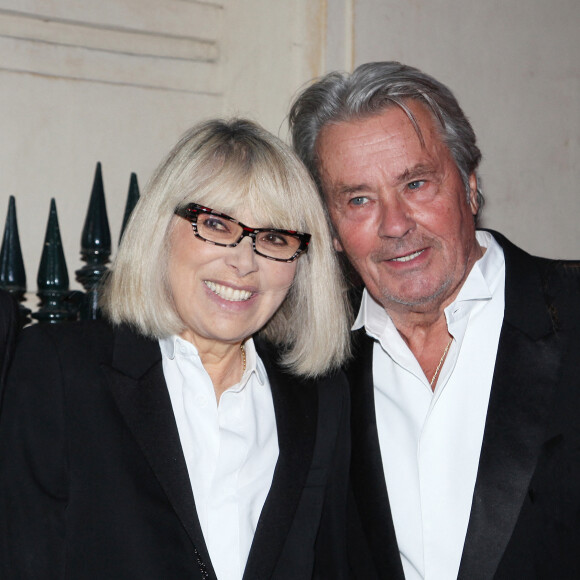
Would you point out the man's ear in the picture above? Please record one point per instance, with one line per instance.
(473, 203)
(337, 245)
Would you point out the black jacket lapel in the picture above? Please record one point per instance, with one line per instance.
(367, 475)
(296, 409)
(525, 375)
(138, 385)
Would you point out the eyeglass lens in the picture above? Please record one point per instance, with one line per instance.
(268, 242)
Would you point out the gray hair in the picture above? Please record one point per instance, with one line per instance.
(371, 88)
(227, 165)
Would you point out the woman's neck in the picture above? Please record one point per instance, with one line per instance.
(224, 362)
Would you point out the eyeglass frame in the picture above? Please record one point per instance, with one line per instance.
(191, 212)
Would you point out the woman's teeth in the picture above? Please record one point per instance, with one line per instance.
(228, 293)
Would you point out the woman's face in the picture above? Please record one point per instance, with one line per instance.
(224, 294)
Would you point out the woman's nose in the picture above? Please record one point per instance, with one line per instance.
(242, 257)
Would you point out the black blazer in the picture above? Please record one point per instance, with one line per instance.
(525, 515)
(94, 485)
(9, 326)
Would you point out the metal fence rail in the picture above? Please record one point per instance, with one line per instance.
(57, 302)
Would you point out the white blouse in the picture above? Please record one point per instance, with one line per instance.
(230, 450)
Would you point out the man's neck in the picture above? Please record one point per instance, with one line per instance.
(424, 321)
(423, 327)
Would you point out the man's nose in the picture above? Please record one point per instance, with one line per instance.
(395, 219)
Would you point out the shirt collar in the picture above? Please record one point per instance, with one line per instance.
(254, 363)
(175, 346)
(371, 315)
(479, 285)
(483, 277)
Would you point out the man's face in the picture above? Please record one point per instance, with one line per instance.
(400, 209)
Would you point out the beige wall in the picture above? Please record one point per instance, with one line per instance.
(515, 68)
(118, 81)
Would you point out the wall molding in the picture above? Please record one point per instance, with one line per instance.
(112, 54)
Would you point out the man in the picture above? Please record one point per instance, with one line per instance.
(466, 382)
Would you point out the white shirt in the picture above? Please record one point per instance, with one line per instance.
(431, 441)
(230, 450)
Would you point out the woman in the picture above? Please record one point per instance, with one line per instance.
(166, 442)
(9, 325)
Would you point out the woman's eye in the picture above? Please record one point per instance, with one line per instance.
(216, 224)
(274, 239)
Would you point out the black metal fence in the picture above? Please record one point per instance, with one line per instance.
(57, 302)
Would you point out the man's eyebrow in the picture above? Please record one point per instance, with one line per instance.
(345, 189)
(419, 170)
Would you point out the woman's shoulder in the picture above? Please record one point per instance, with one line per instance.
(73, 332)
(73, 341)
(334, 381)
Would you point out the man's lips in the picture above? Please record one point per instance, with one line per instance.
(228, 293)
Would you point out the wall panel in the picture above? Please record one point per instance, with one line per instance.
(118, 81)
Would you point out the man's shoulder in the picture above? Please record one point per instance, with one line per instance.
(539, 287)
(562, 276)
(550, 269)
(567, 270)
(562, 284)
(558, 276)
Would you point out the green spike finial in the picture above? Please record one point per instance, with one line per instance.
(12, 273)
(95, 249)
(132, 199)
(52, 279)
(52, 272)
(96, 236)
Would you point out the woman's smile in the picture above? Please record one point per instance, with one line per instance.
(229, 293)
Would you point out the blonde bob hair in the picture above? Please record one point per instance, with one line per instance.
(227, 165)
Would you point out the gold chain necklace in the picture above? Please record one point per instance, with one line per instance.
(440, 363)
(243, 358)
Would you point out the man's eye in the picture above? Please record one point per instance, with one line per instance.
(415, 184)
(359, 200)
